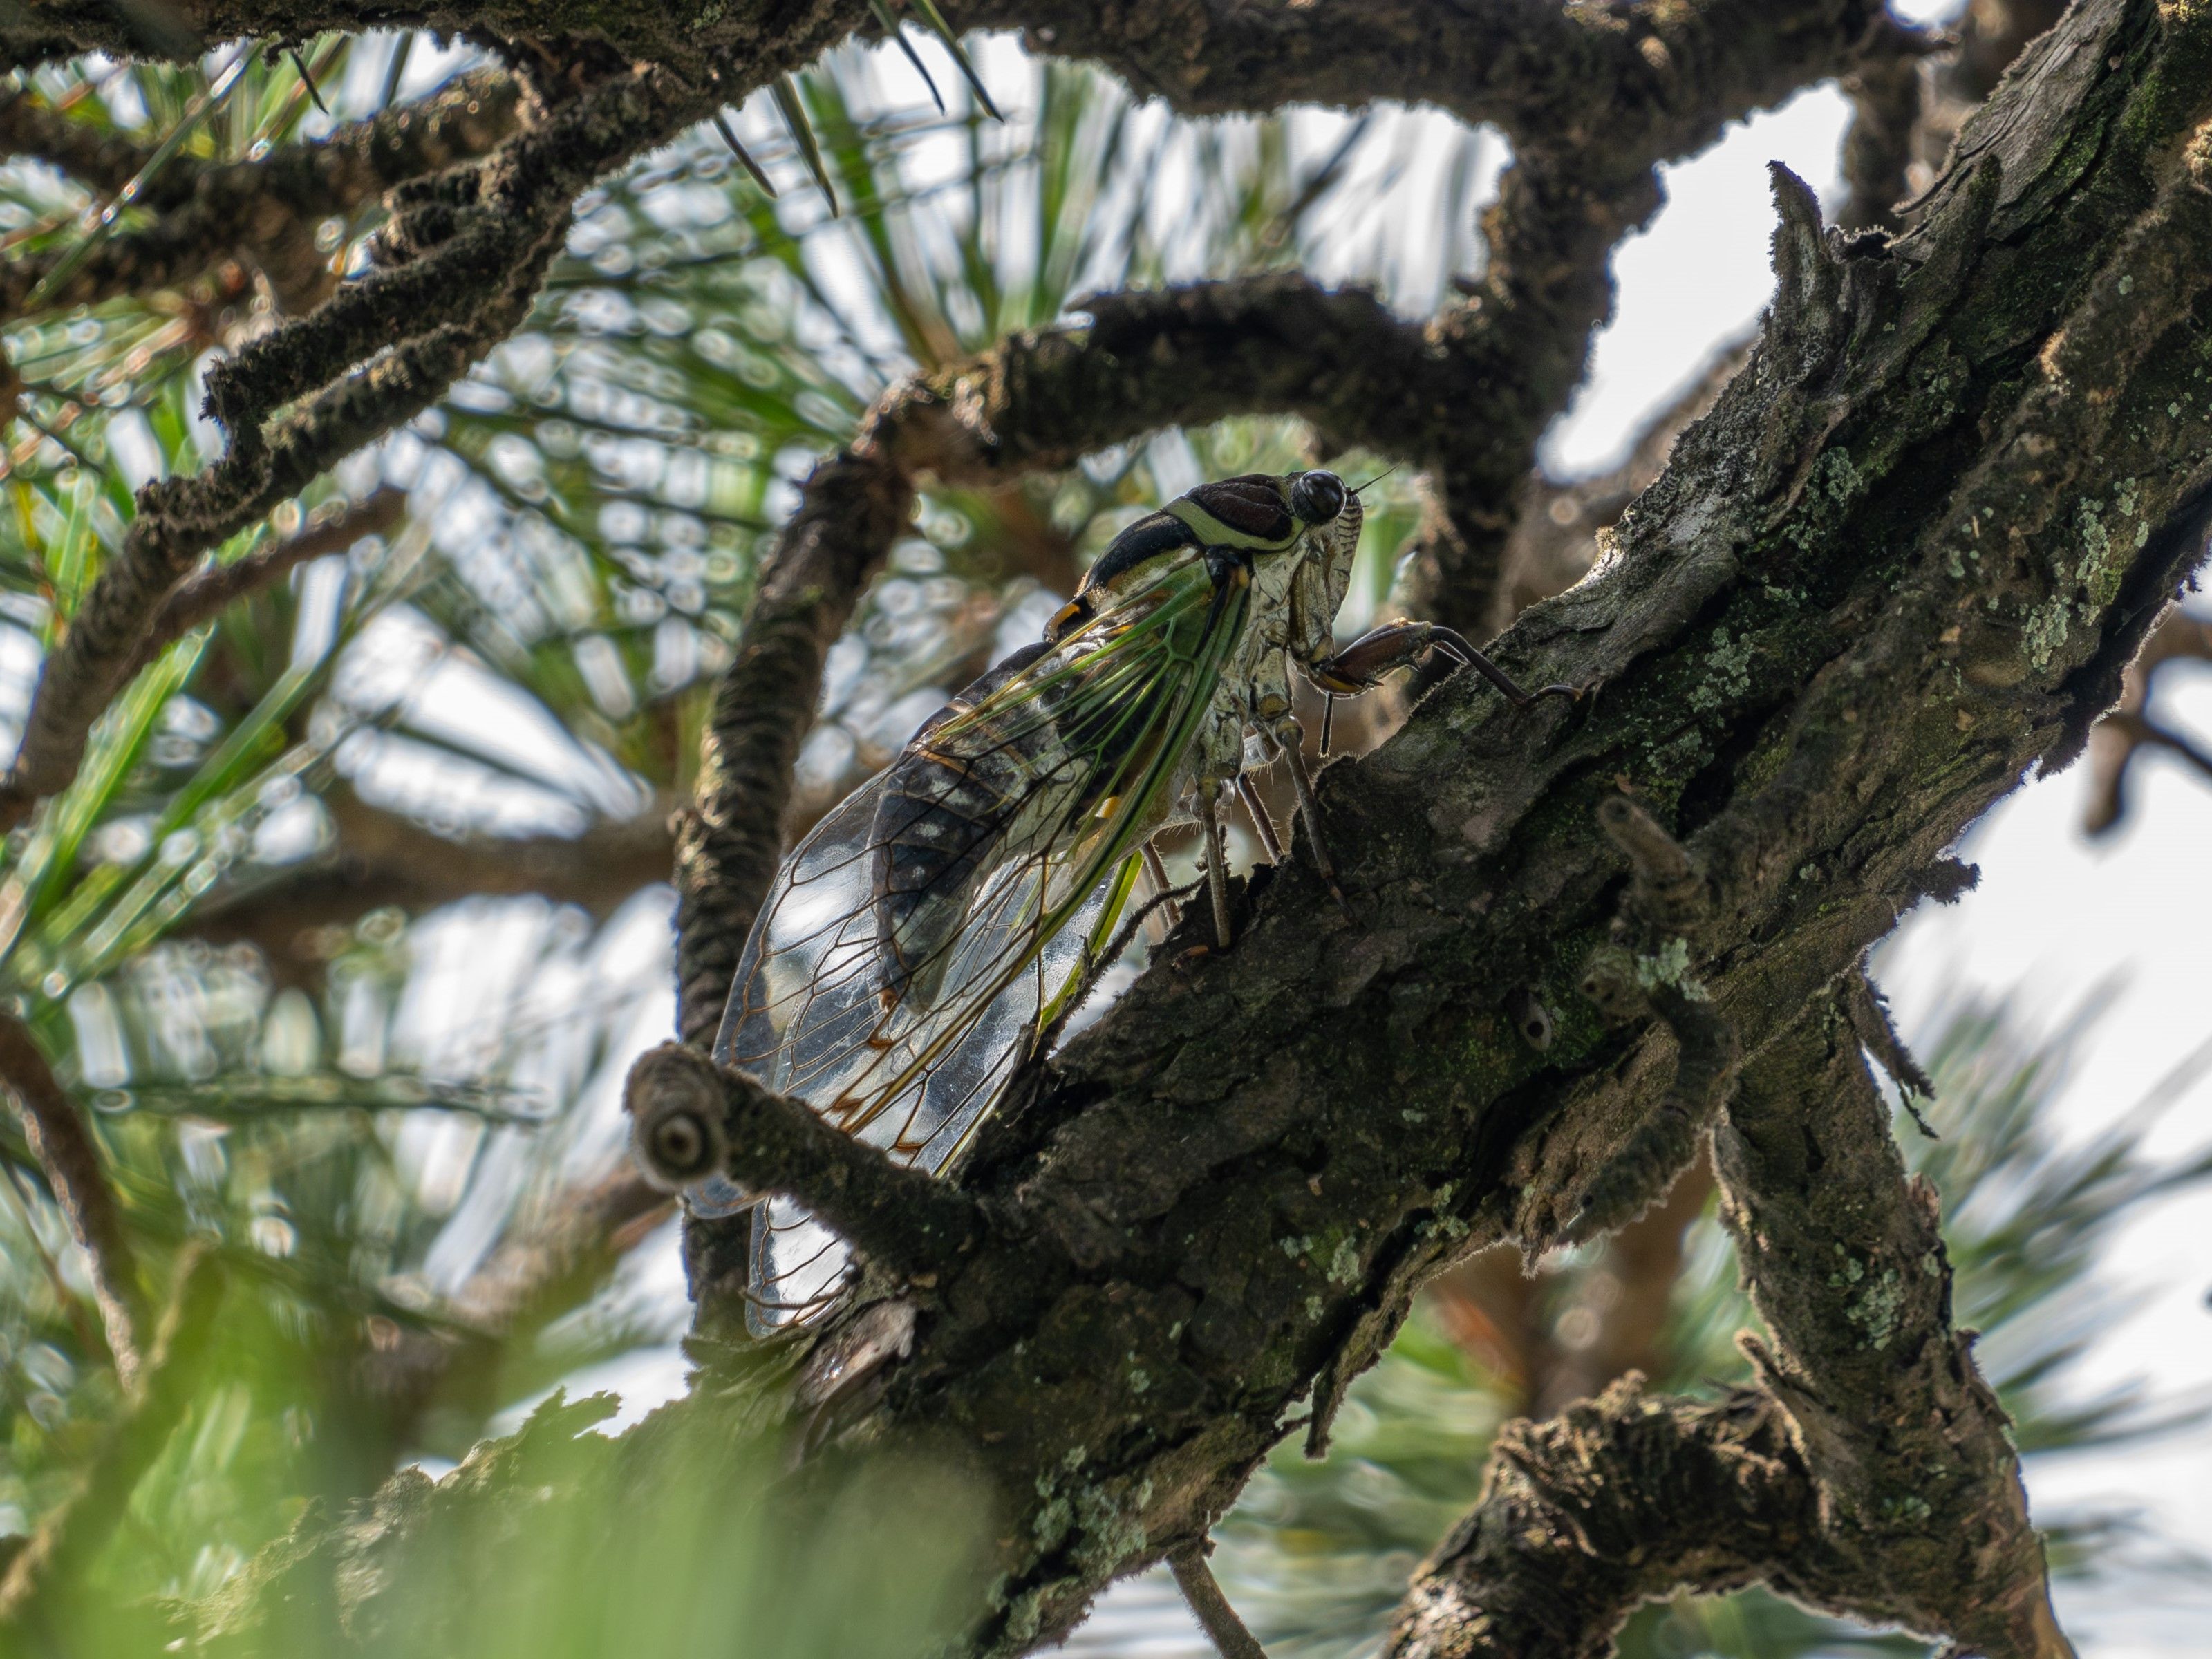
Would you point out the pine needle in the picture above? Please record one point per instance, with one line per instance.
(395, 70)
(786, 92)
(935, 19)
(889, 19)
(745, 159)
(306, 79)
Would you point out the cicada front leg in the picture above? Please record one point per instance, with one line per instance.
(1360, 665)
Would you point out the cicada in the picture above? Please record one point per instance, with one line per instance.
(917, 943)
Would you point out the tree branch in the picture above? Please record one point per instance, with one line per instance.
(747, 45)
(380, 859)
(1585, 1516)
(1868, 1475)
(1228, 1633)
(1556, 526)
(2128, 729)
(106, 161)
(268, 208)
(70, 1163)
(1921, 1503)
(469, 249)
(206, 594)
(691, 1118)
(1653, 79)
(1879, 150)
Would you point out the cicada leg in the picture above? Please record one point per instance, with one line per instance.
(1160, 913)
(1262, 822)
(1217, 866)
(1287, 740)
(1398, 645)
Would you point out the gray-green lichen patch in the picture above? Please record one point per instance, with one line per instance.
(2089, 585)
(1111, 1529)
(1730, 662)
(1879, 1309)
(1344, 1264)
(1834, 481)
(1669, 965)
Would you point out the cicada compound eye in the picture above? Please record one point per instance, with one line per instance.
(1317, 497)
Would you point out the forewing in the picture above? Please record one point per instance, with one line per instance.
(1101, 721)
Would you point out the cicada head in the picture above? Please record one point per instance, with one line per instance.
(1333, 514)
(1317, 497)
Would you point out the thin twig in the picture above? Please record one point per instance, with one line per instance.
(64, 1149)
(1228, 1633)
(202, 597)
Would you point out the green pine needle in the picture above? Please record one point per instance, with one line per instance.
(760, 174)
(786, 92)
(935, 19)
(889, 19)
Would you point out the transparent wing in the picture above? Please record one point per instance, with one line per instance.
(1095, 730)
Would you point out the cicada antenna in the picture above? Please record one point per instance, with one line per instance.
(1378, 477)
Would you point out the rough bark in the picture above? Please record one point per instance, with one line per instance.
(268, 210)
(1905, 557)
(1867, 1473)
